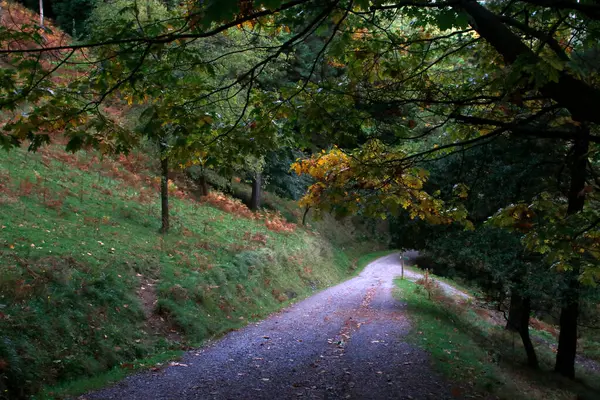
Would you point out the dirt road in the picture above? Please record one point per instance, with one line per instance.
(346, 342)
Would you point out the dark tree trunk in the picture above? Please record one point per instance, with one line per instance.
(515, 312)
(256, 192)
(305, 215)
(229, 186)
(567, 340)
(164, 194)
(518, 321)
(204, 190)
(525, 309)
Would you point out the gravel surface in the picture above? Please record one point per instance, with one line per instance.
(346, 342)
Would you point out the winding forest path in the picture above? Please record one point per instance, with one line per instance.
(346, 342)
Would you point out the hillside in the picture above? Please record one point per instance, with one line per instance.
(82, 260)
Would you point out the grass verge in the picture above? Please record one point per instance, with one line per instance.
(114, 375)
(458, 285)
(481, 358)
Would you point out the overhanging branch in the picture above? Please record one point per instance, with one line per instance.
(573, 94)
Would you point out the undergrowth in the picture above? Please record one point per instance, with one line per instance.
(88, 285)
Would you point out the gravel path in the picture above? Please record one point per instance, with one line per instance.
(343, 343)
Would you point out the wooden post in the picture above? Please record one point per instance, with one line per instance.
(402, 264)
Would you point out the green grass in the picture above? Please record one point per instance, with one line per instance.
(458, 285)
(86, 384)
(79, 238)
(480, 358)
(445, 337)
(590, 344)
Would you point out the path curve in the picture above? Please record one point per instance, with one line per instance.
(346, 342)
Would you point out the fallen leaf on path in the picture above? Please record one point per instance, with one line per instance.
(176, 364)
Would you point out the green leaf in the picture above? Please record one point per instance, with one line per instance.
(446, 19)
(221, 10)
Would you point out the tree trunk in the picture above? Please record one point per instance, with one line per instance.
(567, 340)
(306, 210)
(164, 194)
(515, 312)
(42, 13)
(229, 186)
(525, 309)
(204, 190)
(518, 321)
(256, 192)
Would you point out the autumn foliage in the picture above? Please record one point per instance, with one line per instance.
(346, 183)
(273, 221)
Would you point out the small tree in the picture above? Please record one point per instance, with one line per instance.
(42, 13)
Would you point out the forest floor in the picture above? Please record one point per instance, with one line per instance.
(348, 341)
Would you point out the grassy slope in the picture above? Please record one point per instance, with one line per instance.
(485, 358)
(87, 284)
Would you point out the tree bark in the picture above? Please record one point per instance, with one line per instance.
(518, 321)
(42, 13)
(164, 194)
(515, 312)
(256, 192)
(204, 190)
(567, 340)
(306, 210)
(532, 360)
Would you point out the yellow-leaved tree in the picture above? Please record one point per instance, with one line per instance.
(373, 181)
